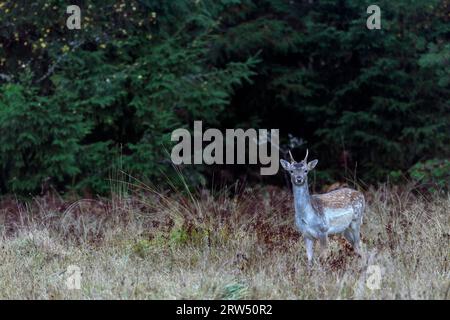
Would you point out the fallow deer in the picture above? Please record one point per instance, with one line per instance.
(319, 215)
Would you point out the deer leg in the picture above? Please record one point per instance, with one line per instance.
(309, 244)
(348, 234)
(355, 228)
(355, 225)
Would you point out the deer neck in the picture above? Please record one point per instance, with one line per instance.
(302, 200)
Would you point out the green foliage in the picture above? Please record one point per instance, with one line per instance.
(434, 173)
(234, 291)
(381, 97)
(116, 88)
(40, 139)
(142, 247)
(77, 104)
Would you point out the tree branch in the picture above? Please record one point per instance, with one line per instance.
(5, 77)
(57, 62)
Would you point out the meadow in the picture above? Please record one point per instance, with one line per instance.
(144, 244)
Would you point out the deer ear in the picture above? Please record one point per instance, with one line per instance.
(312, 164)
(285, 164)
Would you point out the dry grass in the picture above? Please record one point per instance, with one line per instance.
(147, 245)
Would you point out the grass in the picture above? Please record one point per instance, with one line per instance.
(149, 245)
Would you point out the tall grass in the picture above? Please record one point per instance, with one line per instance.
(143, 243)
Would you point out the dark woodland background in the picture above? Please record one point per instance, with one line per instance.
(78, 105)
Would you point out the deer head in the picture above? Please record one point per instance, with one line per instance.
(298, 170)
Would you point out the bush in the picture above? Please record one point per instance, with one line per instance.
(110, 95)
(433, 174)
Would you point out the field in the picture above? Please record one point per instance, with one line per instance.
(147, 245)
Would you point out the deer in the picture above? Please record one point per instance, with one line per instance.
(319, 215)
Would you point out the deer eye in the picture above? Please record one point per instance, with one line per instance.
(306, 171)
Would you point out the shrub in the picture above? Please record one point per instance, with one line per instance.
(434, 174)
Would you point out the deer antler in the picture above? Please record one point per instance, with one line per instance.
(292, 158)
(306, 157)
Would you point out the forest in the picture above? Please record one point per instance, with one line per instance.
(78, 105)
(93, 205)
